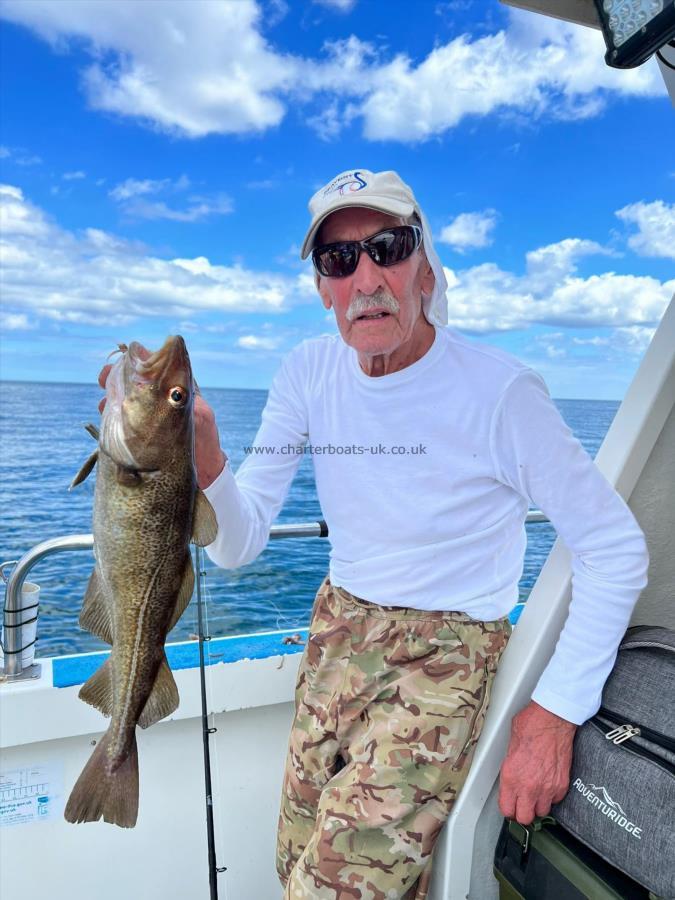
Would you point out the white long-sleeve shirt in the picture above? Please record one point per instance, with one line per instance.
(425, 476)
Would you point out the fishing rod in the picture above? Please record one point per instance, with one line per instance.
(214, 869)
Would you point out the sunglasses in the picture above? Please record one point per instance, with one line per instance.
(386, 248)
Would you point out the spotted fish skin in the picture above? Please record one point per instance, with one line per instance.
(147, 508)
(389, 706)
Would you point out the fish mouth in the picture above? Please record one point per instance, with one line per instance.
(165, 367)
(135, 385)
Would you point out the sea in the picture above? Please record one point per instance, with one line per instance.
(43, 446)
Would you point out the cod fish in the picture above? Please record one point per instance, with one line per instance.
(147, 509)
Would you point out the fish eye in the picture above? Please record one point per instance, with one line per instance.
(177, 396)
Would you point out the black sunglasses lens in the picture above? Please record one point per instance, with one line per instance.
(385, 248)
(336, 260)
(390, 247)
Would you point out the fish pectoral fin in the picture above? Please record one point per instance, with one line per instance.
(185, 593)
(96, 616)
(163, 699)
(85, 470)
(93, 430)
(204, 524)
(98, 690)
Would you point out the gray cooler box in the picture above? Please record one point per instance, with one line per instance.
(621, 801)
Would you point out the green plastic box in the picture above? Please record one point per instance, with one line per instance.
(544, 862)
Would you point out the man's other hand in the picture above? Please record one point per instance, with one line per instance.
(209, 457)
(536, 771)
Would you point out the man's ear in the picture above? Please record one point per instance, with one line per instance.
(323, 293)
(428, 278)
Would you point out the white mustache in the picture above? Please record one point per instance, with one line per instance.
(363, 303)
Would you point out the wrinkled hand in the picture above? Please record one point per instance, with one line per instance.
(210, 459)
(536, 771)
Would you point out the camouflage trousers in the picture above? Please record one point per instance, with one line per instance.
(389, 705)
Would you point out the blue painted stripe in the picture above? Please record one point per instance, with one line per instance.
(71, 670)
(514, 615)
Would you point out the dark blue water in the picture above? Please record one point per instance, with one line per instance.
(44, 445)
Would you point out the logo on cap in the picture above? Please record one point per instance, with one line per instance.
(346, 184)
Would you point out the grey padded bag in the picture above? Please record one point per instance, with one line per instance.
(621, 801)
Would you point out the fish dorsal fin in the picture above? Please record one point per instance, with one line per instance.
(93, 430)
(98, 690)
(185, 593)
(204, 524)
(163, 699)
(96, 615)
(85, 471)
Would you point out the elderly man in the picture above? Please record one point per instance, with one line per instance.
(427, 450)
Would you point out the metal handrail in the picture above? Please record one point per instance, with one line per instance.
(12, 657)
(12, 667)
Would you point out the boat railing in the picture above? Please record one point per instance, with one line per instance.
(14, 583)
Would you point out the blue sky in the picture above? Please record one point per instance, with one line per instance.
(157, 159)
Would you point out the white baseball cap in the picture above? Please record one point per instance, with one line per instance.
(383, 191)
(387, 193)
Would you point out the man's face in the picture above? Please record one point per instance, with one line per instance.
(404, 282)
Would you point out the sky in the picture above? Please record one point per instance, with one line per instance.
(157, 159)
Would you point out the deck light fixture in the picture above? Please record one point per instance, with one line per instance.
(635, 29)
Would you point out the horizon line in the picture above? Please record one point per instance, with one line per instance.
(223, 388)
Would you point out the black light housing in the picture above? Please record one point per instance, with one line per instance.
(635, 29)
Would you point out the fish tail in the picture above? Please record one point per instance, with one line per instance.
(106, 789)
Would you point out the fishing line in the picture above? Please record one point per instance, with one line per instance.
(289, 625)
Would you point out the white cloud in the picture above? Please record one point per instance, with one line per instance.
(536, 67)
(96, 278)
(655, 228)
(15, 322)
(470, 230)
(264, 184)
(74, 176)
(134, 187)
(328, 122)
(273, 12)
(19, 155)
(306, 282)
(18, 217)
(132, 194)
(195, 211)
(140, 68)
(257, 342)
(552, 263)
(636, 338)
(596, 341)
(343, 6)
(193, 68)
(487, 298)
(93, 277)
